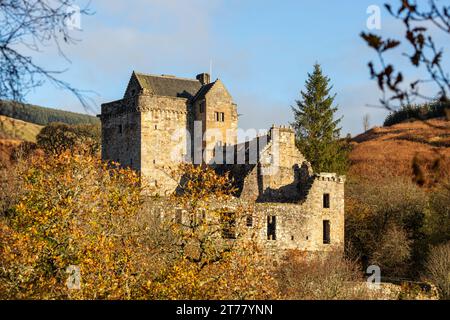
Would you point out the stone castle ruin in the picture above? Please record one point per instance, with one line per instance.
(163, 120)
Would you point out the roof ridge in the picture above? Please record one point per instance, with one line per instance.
(164, 76)
(200, 91)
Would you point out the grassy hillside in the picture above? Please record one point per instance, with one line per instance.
(43, 116)
(7, 146)
(18, 129)
(389, 151)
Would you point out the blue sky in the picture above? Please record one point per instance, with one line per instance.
(262, 50)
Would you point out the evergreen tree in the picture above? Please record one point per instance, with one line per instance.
(317, 131)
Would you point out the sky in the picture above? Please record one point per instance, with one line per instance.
(261, 49)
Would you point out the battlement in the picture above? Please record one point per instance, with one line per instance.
(326, 176)
(282, 128)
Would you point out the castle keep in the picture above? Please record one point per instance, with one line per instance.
(162, 120)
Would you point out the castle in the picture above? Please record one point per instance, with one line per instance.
(163, 120)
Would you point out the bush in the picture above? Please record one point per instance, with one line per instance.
(418, 112)
(438, 217)
(393, 252)
(320, 278)
(383, 216)
(58, 137)
(77, 212)
(438, 267)
(74, 211)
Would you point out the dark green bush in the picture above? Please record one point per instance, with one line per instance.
(417, 112)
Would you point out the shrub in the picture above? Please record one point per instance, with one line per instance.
(74, 210)
(320, 278)
(77, 212)
(393, 252)
(385, 214)
(438, 217)
(204, 265)
(438, 267)
(58, 137)
(417, 112)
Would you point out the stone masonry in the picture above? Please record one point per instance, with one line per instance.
(155, 126)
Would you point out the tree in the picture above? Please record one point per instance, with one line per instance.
(27, 26)
(316, 129)
(438, 269)
(212, 257)
(366, 122)
(422, 23)
(73, 210)
(58, 137)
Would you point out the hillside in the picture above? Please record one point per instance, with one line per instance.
(18, 129)
(43, 116)
(389, 151)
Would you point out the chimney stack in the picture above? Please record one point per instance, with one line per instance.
(204, 78)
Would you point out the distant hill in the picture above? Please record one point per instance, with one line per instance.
(389, 151)
(43, 116)
(17, 129)
(418, 112)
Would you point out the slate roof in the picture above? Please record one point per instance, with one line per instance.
(169, 86)
(203, 91)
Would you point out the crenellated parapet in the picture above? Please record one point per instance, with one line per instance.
(332, 177)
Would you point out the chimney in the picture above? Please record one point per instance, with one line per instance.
(204, 78)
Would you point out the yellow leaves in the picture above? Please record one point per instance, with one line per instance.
(78, 211)
(63, 219)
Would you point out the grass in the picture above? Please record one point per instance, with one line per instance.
(18, 129)
(389, 151)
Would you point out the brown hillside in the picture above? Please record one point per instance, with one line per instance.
(6, 148)
(18, 130)
(12, 133)
(390, 151)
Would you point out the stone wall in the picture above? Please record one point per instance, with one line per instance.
(295, 227)
(163, 144)
(281, 173)
(121, 130)
(218, 99)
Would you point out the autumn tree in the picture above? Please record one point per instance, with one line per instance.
(421, 24)
(58, 137)
(74, 213)
(34, 24)
(80, 230)
(212, 257)
(317, 129)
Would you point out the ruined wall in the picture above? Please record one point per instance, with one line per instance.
(333, 185)
(295, 227)
(281, 170)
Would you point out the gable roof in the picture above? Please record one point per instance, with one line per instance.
(203, 91)
(169, 86)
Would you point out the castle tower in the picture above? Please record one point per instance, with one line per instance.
(216, 113)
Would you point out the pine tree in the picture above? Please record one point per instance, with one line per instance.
(317, 131)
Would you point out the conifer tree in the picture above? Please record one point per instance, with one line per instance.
(317, 130)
